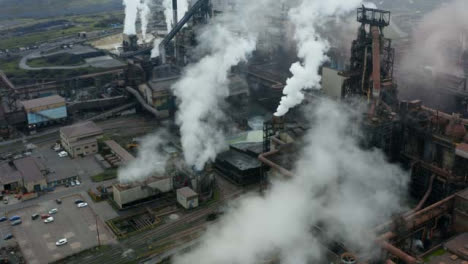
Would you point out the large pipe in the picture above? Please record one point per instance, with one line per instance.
(142, 101)
(174, 13)
(376, 62)
(443, 115)
(408, 259)
(264, 159)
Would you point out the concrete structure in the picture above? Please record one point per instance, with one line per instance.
(126, 195)
(80, 139)
(120, 154)
(26, 172)
(45, 110)
(187, 198)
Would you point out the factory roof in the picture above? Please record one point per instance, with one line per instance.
(8, 174)
(43, 101)
(187, 192)
(238, 160)
(162, 84)
(124, 156)
(30, 168)
(81, 129)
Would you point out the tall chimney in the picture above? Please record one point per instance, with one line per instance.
(174, 16)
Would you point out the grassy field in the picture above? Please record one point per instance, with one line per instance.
(108, 174)
(64, 59)
(79, 23)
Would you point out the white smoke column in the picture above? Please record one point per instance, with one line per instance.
(182, 7)
(145, 11)
(131, 14)
(150, 159)
(311, 47)
(203, 87)
(155, 50)
(337, 185)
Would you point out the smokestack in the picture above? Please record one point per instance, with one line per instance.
(174, 13)
(376, 62)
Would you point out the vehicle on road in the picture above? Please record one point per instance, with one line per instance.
(61, 242)
(45, 216)
(49, 220)
(78, 201)
(53, 211)
(58, 201)
(63, 154)
(81, 205)
(77, 182)
(14, 218)
(16, 222)
(34, 216)
(3, 219)
(8, 236)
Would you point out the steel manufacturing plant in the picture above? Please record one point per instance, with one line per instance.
(234, 131)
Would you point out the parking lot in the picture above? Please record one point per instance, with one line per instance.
(37, 239)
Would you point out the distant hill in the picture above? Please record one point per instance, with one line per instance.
(48, 8)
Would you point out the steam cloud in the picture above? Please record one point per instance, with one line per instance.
(131, 14)
(439, 40)
(306, 17)
(204, 85)
(151, 159)
(338, 186)
(155, 50)
(145, 11)
(182, 7)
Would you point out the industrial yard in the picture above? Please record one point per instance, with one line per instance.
(232, 131)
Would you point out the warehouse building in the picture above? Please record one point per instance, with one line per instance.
(127, 195)
(187, 198)
(80, 139)
(44, 111)
(119, 156)
(26, 172)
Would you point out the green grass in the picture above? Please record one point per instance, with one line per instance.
(90, 251)
(438, 252)
(108, 174)
(63, 59)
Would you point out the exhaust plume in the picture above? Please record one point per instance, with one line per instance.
(307, 17)
(155, 50)
(145, 11)
(182, 7)
(204, 85)
(338, 186)
(131, 14)
(150, 159)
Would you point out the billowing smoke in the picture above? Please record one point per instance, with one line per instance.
(204, 85)
(337, 185)
(150, 159)
(145, 11)
(306, 17)
(155, 50)
(439, 40)
(182, 7)
(201, 91)
(131, 14)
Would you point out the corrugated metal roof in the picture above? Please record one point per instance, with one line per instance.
(30, 168)
(8, 174)
(121, 152)
(43, 101)
(81, 129)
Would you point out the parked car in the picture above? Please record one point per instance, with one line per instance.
(77, 182)
(27, 153)
(57, 147)
(67, 185)
(49, 220)
(3, 219)
(53, 211)
(78, 201)
(16, 222)
(81, 205)
(72, 183)
(58, 201)
(45, 216)
(62, 241)
(34, 216)
(14, 218)
(63, 154)
(5, 200)
(8, 236)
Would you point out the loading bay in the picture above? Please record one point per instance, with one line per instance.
(78, 225)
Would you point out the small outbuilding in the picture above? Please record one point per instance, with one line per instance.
(187, 198)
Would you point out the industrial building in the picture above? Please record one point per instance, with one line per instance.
(80, 139)
(44, 111)
(118, 156)
(127, 195)
(187, 198)
(28, 173)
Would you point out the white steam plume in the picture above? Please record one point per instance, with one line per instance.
(182, 7)
(311, 47)
(150, 159)
(204, 85)
(145, 11)
(131, 14)
(337, 185)
(155, 50)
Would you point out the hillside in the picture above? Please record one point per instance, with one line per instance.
(47, 8)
